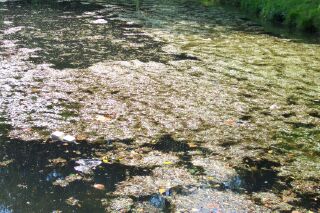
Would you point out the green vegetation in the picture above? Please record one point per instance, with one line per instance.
(299, 14)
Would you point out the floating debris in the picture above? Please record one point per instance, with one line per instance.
(105, 159)
(87, 165)
(274, 107)
(100, 21)
(58, 161)
(99, 186)
(102, 118)
(73, 202)
(167, 163)
(62, 137)
(69, 139)
(5, 163)
(57, 136)
(81, 137)
(60, 182)
(69, 179)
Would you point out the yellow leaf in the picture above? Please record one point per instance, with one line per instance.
(167, 163)
(105, 159)
(210, 178)
(162, 190)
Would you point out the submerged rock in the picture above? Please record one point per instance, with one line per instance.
(69, 138)
(86, 166)
(57, 136)
(60, 136)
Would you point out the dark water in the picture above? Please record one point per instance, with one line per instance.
(67, 39)
(27, 182)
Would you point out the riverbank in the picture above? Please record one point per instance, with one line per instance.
(296, 14)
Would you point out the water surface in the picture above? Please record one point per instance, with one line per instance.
(194, 100)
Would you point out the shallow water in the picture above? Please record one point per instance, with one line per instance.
(195, 99)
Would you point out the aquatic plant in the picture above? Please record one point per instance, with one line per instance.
(298, 14)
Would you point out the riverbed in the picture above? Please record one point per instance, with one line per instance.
(189, 108)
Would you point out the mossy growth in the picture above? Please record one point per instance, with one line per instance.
(303, 15)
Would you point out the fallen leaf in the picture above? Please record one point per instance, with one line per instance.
(167, 163)
(73, 202)
(81, 137)
(230, 122)
(5, 163)
(34, 90)
(105, 159)
(212, 206)
(99, 186)
(58, 161)
(210, 178)
(103, 118)
(192, 145)
(162, 190)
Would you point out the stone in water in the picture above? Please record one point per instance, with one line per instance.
(69, 138)
(57, 136)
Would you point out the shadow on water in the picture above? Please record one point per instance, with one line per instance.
(262, 175)
(40, 176)
(30, 169)
(67, 36)
(184, 151)
(255, 175)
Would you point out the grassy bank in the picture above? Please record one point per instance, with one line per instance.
(299, 14)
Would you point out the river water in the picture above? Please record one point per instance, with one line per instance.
(191, 106)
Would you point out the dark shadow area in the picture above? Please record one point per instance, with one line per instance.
(158, 201)
(228, 142)
(31, 173)
(302, 125)
(262, 175)
(309, 201)
(66, 33)
(184, 56)
(314, 114)
(256, 175)
(68, 37)
(167, 143)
